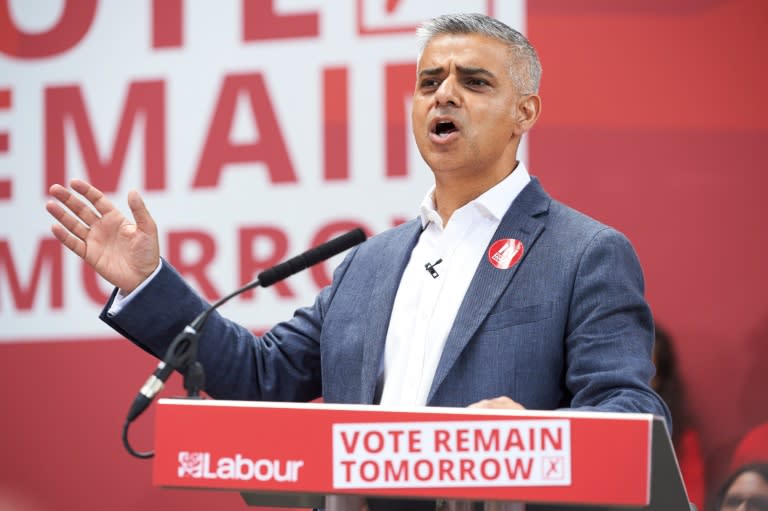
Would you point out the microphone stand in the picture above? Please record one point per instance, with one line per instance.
(182, 352)
(181, 356)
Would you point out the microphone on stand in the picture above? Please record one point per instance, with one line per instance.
(182, 352)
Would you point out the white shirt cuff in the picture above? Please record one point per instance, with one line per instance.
(122, 300)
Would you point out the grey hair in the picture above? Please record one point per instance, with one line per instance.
(528, 78)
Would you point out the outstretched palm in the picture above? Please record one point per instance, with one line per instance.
(123, 252)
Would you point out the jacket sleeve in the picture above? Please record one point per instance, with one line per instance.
(281, 365)
(609, 333)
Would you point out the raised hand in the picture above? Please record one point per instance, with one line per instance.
(123, 252)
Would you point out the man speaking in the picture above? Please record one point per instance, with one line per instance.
(496, 295)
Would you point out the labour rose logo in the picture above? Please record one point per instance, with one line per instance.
(190, 464)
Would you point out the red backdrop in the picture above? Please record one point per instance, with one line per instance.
(654, 121)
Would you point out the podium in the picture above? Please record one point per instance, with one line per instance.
(294, 455)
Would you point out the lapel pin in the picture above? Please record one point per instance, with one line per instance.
(505, 253)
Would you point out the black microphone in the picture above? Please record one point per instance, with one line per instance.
(311, 257)
(182, 352)
(430, 267)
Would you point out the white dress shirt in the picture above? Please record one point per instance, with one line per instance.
(425, 306)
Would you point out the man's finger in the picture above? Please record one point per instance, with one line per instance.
(73, 243)
(74, 204)
(94, 196)
(501, 402)
(140, 213)
(72, 224)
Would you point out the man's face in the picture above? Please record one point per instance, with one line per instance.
(465, 109)
(749, 492)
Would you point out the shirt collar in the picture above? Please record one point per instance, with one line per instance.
(493, 203)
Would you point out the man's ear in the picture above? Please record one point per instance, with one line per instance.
(527, 111)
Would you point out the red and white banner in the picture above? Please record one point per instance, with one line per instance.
(255, 129)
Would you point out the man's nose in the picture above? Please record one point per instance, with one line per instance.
(448, 92)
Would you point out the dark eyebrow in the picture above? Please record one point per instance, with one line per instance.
(463, 70)
(471, 71)
(431, 71)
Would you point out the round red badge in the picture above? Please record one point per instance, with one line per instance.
(505, 253)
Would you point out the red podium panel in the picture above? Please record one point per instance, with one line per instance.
(601, 459)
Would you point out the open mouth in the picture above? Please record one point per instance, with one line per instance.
(444, 128)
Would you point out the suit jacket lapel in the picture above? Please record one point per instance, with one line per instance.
(489, 282)
(390, 264)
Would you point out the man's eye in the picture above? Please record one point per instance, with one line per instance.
(429, 83)
(476, 82)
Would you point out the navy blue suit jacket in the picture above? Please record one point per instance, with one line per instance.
(566, 327)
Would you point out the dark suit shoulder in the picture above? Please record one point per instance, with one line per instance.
(574, 220)
(573, 226)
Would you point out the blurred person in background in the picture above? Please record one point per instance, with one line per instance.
(745, 490)
(752, 448)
